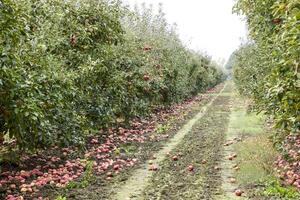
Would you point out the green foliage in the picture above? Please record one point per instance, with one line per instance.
(230, 63)
(61, 198)
(125, 149)
(275, 189)
(68, 67)
(45, 51)
(161, 129)
(267, 68)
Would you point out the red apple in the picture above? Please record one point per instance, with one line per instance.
(116, 167)
(191, 168)
(153, 168)
(238, 192)
(146, 77)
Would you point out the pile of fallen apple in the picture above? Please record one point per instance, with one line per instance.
(288, 166)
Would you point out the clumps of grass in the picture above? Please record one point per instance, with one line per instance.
(256, 158)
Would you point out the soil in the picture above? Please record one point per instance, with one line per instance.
(101, 188)
(203, 149)
(188, 157)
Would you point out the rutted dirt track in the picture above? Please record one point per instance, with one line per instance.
(201, 148)
(195, 171)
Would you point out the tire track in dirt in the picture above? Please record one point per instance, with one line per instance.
(232, 136)
(202, 148)
(193, 140)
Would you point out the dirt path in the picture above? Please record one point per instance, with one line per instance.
(199, 144)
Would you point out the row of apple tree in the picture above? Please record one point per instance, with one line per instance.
(68, 67)
(267, 66)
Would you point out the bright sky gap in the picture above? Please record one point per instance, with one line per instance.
(207, 26)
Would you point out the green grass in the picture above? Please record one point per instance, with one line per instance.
(256, 158)
(275, 189)
(246, 123)
(256, 154)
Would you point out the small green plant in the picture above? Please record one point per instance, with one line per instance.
(162, 128)
(274, 188)
(127, 149)
(61, 198)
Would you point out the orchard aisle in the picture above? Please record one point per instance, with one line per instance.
(190, 165)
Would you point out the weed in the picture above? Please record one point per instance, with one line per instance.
(61, 198)
(86, 178)
(162, 128)
(127, 149)
(274, 188)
